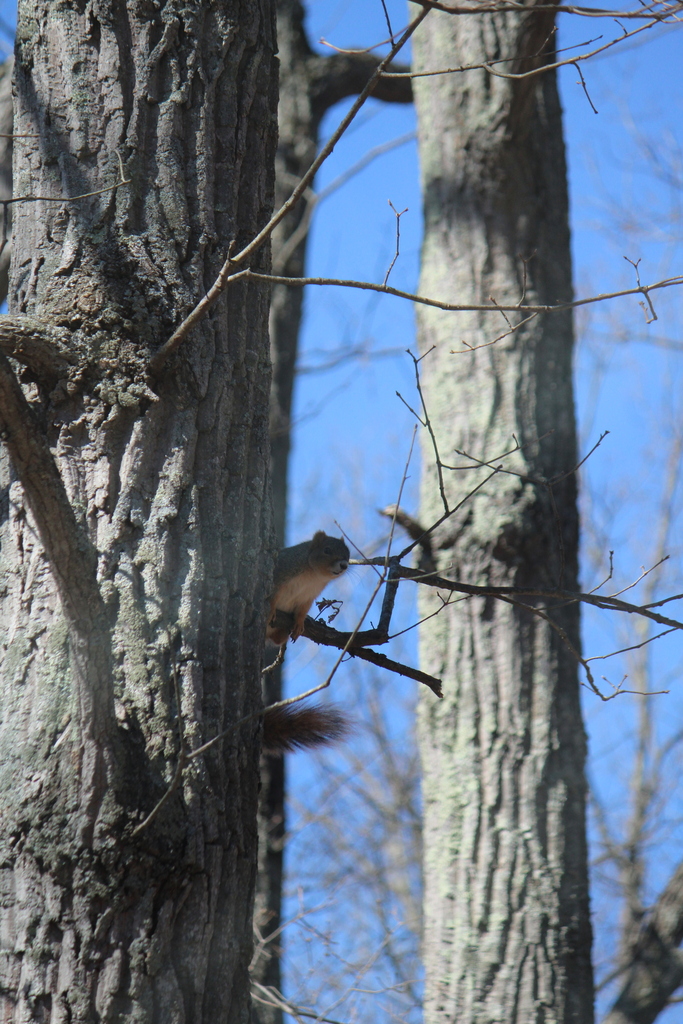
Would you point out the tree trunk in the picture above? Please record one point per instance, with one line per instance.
(507, 928)
(136, 520)
(309, 85)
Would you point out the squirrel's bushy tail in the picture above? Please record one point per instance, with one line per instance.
(292, 726)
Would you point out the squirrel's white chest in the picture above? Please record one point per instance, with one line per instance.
(301, 591)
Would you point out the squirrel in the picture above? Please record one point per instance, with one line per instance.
(288, 727)
(301, 573)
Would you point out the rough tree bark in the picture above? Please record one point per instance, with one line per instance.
(507, 929)
(310, 84)
(135, 518)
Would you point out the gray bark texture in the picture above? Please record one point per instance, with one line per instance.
(507, 929)
(135, 521)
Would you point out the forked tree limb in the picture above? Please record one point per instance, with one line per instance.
(36, 345)
(599, 600)
(326, 636)
(346, 74)
(71, 555)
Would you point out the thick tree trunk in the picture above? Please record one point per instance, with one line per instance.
(507, 928)
(162, 556)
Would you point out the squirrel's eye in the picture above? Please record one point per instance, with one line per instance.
(327, 551)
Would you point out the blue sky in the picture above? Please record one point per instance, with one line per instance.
(352, 432)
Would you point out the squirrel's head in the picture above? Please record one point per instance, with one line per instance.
(328, 554)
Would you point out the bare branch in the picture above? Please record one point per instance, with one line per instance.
(500, 337)
(660, 11)
(398, 238)
(328, 637)
(428, 424)
(416, 532)
(30, 198)
(491, 66)
(340, 75)
(271, 997)
(452, 307)
(633, 647)
(441, 583)
(313, 199)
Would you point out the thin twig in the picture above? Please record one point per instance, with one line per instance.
(314, 199)
(71, 199)
(645, 11)
(633, 647)
(428, 424)
(451, 307)
(398, 238)
(278, 661)
(487, 344)
(447, 515)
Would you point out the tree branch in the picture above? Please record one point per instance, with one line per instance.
(346, 74)
(493, 307)
(71, 555)
(490, 66)
(325, 635)
(35, 344)
(599, 600)
(661, 10)
(328, 637)
(656, 970)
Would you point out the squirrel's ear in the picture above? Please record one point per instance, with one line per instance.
(318, 537)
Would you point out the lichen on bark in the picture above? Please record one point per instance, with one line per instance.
(167, 482)
(507, 927)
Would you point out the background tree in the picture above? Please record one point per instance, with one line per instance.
(503, 783)
(310, 85)
(637, 761)
(136, 519)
